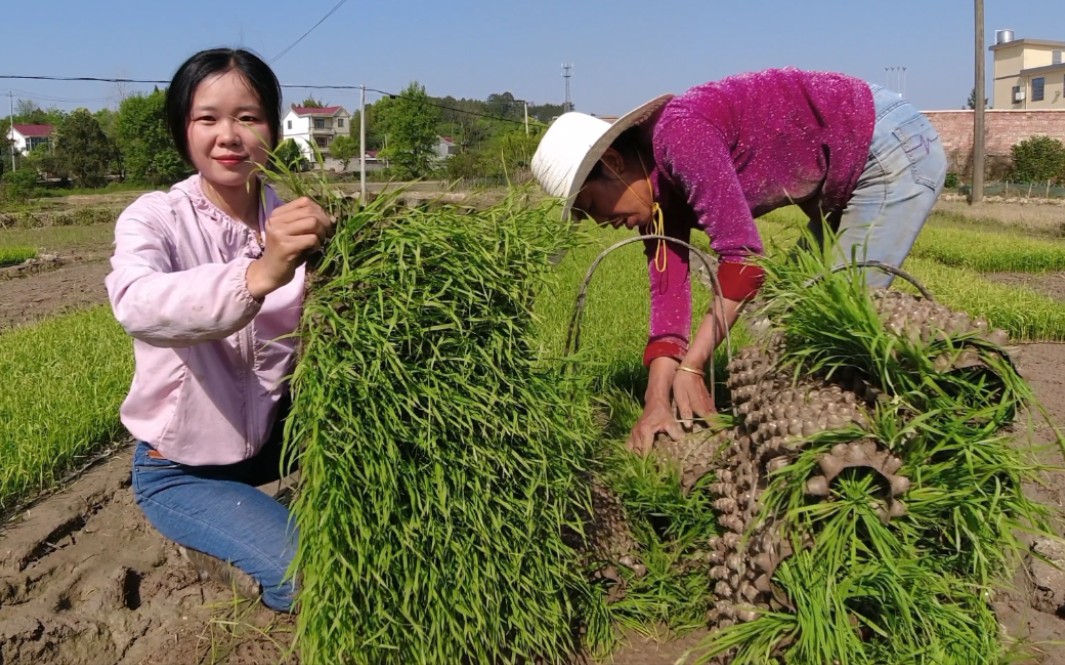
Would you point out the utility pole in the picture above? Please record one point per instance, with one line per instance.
(11, 129)
(526, 105)
(977, 193)
(362, 145)
(567, 72)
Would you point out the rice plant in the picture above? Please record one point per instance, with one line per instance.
(884, 532)
(442, 462)
(13, 255)
(985, 251)
(64, 380)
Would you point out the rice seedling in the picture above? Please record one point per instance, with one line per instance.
(64, 380)
(870, 500)
(986, 251)
(14, 255)
(441, 459)
(949, 259)
(1023, 313)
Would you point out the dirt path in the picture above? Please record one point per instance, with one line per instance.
(84, 580)
(59, 285)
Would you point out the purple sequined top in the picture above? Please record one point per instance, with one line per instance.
(731, 150)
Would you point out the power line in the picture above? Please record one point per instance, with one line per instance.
(293, 44)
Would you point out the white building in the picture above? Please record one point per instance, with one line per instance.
(28, 137)
(316, 126)
(445, 147)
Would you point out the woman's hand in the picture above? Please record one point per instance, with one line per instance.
(691, 397)
(658, 417)
(658, 413)
(292, 231)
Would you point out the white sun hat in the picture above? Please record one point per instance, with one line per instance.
(574, 143)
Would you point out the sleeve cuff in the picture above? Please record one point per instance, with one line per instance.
(739, 281)
(659, 348)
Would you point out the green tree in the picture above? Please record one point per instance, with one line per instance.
(83, 150)
(148, 153)
(545, 112)
(27, 112)
(108, 120)
(409, 121)
(288, 157)
(344, 148)
(375, 136)
(312, 103)
(43, 160)
(971, 103)
(18, 186)
(1038, 159)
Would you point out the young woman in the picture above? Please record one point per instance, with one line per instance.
(849, 153)
(208, 280)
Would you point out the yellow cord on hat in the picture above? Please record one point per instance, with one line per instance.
(658, 227)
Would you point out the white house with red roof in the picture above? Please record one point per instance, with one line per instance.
(446, 147)
(28, 137)
(317, 126)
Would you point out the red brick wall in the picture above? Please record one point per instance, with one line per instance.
(1002, 129)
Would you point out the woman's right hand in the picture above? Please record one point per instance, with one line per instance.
(292, 231)
(658, 413)
(657, 417)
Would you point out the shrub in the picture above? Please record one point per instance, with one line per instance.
(18, 186)
(1038, 159)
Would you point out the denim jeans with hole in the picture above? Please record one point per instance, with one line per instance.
(218, 510)
(903, 176)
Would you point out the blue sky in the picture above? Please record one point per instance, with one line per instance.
(623, 52)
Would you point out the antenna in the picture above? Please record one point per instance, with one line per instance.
(567, 72)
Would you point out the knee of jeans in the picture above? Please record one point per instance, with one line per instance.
(280, 597)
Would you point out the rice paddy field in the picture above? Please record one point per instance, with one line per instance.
(464, 493)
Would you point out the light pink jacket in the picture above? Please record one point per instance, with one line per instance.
(212, 362)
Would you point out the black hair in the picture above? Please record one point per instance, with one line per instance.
(628, 143)
(207, 63)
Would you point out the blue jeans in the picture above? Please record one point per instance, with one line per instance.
(219, 511)
(895, 193)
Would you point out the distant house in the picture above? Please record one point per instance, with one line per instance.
(28, 137)
(445, 147)
(1028, 73)
(315, 126)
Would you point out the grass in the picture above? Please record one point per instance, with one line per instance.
(64, 380)
(13, 255)
(58, 238)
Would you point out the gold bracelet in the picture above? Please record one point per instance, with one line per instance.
(692, 370)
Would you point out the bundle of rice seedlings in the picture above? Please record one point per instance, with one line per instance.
(869, 494)
(656, 576)
(443, 464)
